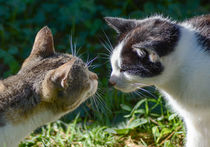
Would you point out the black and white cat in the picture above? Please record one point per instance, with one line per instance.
(175, 57)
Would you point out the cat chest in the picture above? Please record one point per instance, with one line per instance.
(11, 134)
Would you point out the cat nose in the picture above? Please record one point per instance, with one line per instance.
(111, 83)
(113, 80)
(93, 76)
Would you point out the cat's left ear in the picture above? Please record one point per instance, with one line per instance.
(121, 25)
(59, 77)
(56, 80)
(43, 44)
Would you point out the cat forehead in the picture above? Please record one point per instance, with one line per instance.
(148, 26)
(38, 64)
(159, 34)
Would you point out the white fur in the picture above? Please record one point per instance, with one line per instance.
(119, 78)
(11, 134)
(115, 60)
(184, 83)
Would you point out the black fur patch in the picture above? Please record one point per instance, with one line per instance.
(157, 35)
(120, 25)
(202, 24)
(143, 68)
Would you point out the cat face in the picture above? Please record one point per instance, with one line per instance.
(60, 79)
(138, 58)
(69, 85)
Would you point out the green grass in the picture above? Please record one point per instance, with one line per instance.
(145, 121)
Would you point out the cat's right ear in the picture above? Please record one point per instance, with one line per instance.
(121, 25)
(43, 44)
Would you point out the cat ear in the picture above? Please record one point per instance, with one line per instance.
(43, 44)
(142, 49)
(121, 25)
(60, 75)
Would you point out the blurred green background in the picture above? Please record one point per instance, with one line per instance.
(20, 20)
(83, 19)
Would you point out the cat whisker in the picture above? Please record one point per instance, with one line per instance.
(95, 104)
(140, 84)
(139, 93)
(106, 60)
(87, 61)
(147, 92)
(77, 53)
(73, 47)
(104, 56)
(144, 85)
(91, 61)
(95, 66)
(105, 46)
(101, 101)
(109, 42)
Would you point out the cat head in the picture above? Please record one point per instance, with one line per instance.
(139, 57)
(59, 79)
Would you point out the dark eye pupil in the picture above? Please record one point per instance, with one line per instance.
(60, 93)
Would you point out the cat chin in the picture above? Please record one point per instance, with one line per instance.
(126, 89)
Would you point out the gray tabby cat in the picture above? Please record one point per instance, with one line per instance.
(48, 85)
(175, 57)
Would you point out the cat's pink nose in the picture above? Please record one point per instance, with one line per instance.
(111, 83)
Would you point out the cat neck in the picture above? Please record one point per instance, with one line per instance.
(12, 133)
(186, 87)
(20, 111)
(15, 93)
(188, 75)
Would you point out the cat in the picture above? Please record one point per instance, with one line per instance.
(173, 56)
(48, 85)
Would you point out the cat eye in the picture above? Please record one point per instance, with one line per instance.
(141, 52)
(122, 70)
(60, 93)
